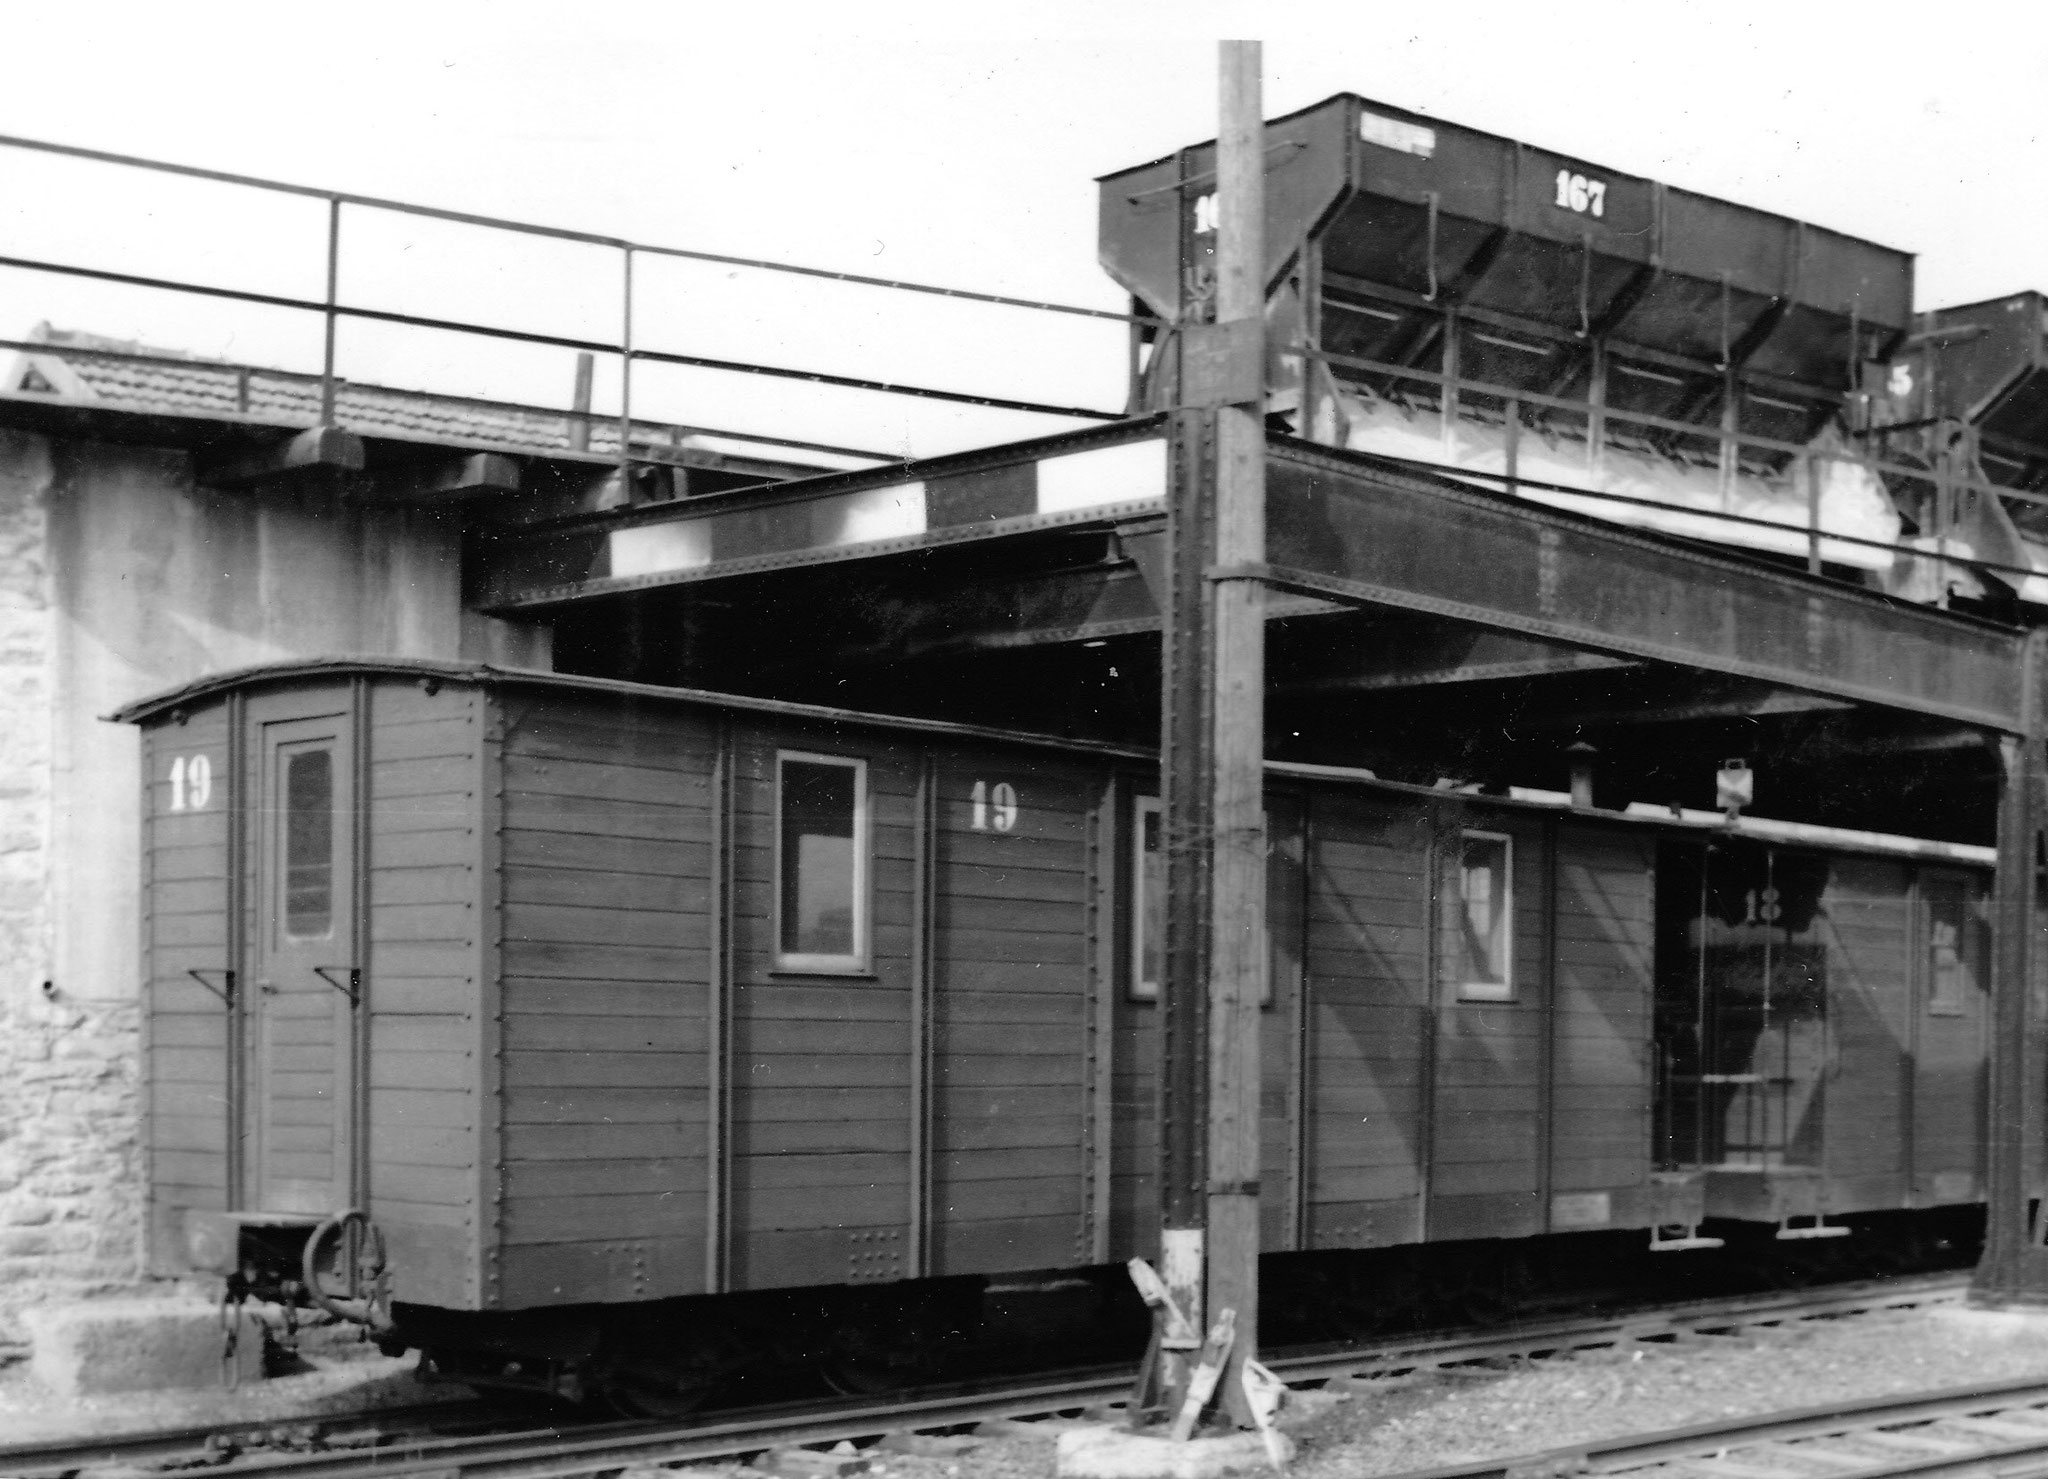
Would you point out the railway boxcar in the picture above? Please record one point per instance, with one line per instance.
(581, 994)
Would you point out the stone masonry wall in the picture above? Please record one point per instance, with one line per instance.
(69, 1189)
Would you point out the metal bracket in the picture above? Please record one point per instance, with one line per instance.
(1820, 1227)
(1680, 1237)
(225, 991)
(352, 988)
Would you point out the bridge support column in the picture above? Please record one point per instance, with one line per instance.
(2013, 1272)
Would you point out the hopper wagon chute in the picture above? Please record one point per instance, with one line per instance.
(1583, 337)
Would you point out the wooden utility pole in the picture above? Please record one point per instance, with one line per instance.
(1213, 751)
(1237, 948)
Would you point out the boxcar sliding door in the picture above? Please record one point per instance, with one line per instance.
(299, 1024)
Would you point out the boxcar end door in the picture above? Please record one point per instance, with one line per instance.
(301, 1025)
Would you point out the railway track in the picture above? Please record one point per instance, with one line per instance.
(1989, 1432)
(391, 1444)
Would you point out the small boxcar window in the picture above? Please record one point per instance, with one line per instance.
(821, 863)
(1951, 958)
(1148, 895)
(309, 844)
(1486, 914)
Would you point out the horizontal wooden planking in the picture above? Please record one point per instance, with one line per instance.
(451, 847)
(1452, 1178)
(610, 779)
(189, 1030)
(449, 775)
(807, 1070)
(422, 1034)
(819, 999)
(540, 997)
(302, 1109)
(664, 1140)
(418, 1145)
(964, 1005)
(396, 817)
(777, 1208)
(1013, 1039)
(185, 1065)
(577, 1105)
(824, 1170)
(438, 1186)
(984, 1201)
(682, 927)
(423, 883)
(451, 923)
(783, 1036)
(546, 812)
(527, 1032)
(200, 896)
(427, 737)
(398, 996)
(1496, 1098)
(1058, 881)
(196, 930)
(962, 920)
(287, 1062)
(394, 1211)
(768, 1103)
(599, 962)
(554, 852)
(601, 1174)
(190, 1132)
(295, 1167)
(422, 1070)
(1600, 1174)
(195, 1099)
(599, 730)
(537, 1069)
(1363, 1183)
(839, 1136)
(961, 1130)
(199, 1169)
(608, 893)
(1006, 1163)
(423, 960)
(191, 861)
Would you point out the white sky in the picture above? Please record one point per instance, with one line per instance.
(949, 143)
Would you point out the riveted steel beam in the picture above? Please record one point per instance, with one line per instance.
(1358, 530)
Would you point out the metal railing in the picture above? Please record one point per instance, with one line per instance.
(624, 349)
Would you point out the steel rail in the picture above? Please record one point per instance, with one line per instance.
(1632, 1452)
(61, 1455)
(1450, 1348)
(536, 1454)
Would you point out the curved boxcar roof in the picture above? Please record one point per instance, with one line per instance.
(491, 675)
(1639, 814)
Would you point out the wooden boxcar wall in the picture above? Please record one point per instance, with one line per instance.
(598, 1033)
(1604, 948)
(186, 1023)
(1436, 1116)
(427, 983)
(204, 903)
(677, 1115)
